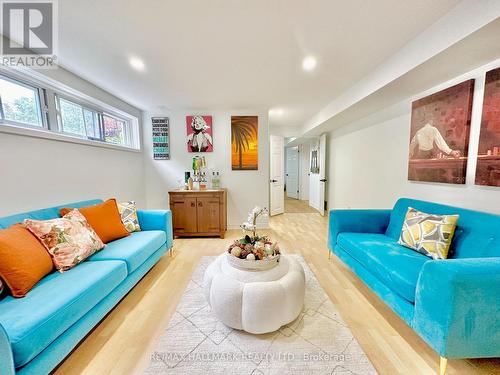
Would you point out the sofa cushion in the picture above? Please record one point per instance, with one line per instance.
(54, 304)
(476, 235)
(104, 218)
(396, 266)
(128, 214)
(23, 259)
(134, 249)
(69, 239)
(428, 234)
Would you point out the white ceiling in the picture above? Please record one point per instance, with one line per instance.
(230, 54)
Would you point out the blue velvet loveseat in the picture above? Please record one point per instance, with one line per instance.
(39, 330)
(453, 304)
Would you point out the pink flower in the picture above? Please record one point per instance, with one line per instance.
(49, 239)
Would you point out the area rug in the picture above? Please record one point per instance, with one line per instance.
(317, 342)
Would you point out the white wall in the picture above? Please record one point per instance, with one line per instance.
(246, 189)
(37, 173)
(304, 165)
(368, 161)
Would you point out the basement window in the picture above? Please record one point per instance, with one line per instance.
(116, 130)
(20, 104)
(71, 119)
(79, 120)
(51, 112)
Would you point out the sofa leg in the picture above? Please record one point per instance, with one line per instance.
(329, 254)
(442, 365)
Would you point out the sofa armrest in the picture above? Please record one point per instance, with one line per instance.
(157, 220)
(457, 307)
(6, 356)
(358, 221)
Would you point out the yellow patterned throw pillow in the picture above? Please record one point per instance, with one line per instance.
(429, 234)
(128, 213)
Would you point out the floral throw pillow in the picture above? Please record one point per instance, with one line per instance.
(69, 240)
(428, 234)
(128, 213)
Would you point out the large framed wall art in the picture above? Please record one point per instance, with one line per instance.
(439, 135)
(488, 158)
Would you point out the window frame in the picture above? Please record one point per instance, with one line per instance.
(128, 134)
(84, 106)
(40, 103)
(48, 97)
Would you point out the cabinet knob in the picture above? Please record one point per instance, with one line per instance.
(192, 204)
(200, 204)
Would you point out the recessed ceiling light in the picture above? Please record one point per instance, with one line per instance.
(137, 63)
(309, 63)
(276, 112)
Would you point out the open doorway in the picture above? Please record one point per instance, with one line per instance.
(292, 172)
(297, 176)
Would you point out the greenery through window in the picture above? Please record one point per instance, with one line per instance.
(20, 104)
(114, 130)
(72, 118)
(92, 124)
(78, 120)
(26, 103)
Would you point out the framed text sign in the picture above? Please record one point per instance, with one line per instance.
(161, 138)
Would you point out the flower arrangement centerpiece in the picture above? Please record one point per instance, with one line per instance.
(254, 251)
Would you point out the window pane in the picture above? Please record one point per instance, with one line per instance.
(91, 124)
(114, 130)
(20, 103)
(72, 118)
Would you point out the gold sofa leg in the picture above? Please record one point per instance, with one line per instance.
(442, 365)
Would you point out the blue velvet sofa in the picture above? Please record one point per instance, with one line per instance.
(453, 304)
(39, 330)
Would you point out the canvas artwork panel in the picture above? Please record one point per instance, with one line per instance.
(439, 135)
(488, 158)
(314, 162)
(161, 138)
(199, 133)
(244, 143)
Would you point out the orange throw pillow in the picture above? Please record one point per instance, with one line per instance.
(23, 260)
(104, 218)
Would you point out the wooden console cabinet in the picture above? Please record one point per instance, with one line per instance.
(199, 213)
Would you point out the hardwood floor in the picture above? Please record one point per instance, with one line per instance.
(296, 206)
(122, 342)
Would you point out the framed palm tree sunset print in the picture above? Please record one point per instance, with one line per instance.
(244, 143)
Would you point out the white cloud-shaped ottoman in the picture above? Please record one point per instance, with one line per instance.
(255, 301)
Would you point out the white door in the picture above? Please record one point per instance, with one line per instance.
(276, 185)
(292, 172)
(304, 171)
(322, 174)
